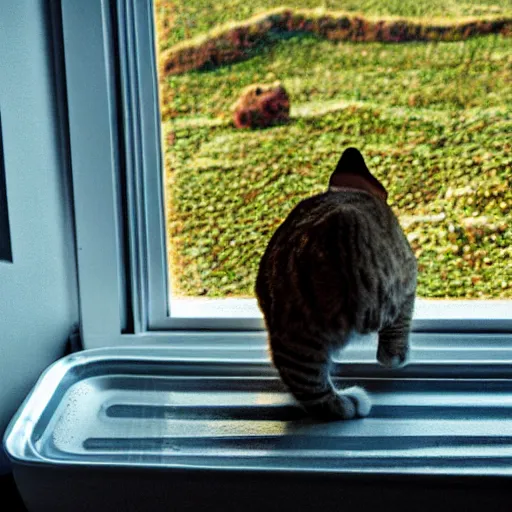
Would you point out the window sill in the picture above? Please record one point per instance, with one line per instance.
(156, 407)
(429, 315)
(161, 428)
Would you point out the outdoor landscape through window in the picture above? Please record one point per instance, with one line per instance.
(421, 87)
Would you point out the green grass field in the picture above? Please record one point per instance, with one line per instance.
(433, 121)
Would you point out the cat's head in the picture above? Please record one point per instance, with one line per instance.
(351, 172)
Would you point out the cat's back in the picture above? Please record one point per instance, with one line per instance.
(335, 251)
(335, 220)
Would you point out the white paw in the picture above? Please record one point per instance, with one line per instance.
(397, 362)
(360, 398)
(392, 361)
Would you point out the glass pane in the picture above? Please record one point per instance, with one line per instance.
(426, 98)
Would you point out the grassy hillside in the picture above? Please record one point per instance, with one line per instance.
(432, 119)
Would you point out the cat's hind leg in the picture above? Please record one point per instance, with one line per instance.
(393, 349)
(304, 364)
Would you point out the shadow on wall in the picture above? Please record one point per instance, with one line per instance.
(5, 234)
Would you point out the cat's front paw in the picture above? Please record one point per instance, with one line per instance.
(389, 360)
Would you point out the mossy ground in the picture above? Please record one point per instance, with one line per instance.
(433, 121)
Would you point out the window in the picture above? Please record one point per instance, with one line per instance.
(174, 204)
(437, 142)
(416, 105)
(407, 105)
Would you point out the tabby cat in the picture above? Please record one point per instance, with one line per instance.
(340, 262)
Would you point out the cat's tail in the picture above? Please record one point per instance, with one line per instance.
(304, 366)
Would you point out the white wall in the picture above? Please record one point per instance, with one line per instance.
(38, 291)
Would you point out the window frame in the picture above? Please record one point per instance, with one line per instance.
(119, 205)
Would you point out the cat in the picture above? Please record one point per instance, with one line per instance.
(339, 263)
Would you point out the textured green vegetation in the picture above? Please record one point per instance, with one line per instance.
(432, 119)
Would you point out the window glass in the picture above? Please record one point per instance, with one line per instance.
(421, 87)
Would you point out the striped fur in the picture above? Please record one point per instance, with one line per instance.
(339, 262)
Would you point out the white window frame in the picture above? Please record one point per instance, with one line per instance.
(125, 307)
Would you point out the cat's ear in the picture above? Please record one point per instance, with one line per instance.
(351, 172)
(351, 161)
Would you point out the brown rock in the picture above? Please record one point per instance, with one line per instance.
(260, 106)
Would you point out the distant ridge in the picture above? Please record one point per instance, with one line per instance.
(237, 41)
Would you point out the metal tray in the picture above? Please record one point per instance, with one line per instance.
(141, 409)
